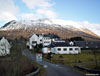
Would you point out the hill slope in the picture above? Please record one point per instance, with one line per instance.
(62, 28)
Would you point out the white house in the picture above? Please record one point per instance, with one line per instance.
(44, 39)
(40, 38)
(49, 38)
(67, 50)
(4, 47)
(53, 43)
(33, 41)
(62, 48)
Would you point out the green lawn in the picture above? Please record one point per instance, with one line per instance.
(92, 66)
(79, 59)
(85, 59)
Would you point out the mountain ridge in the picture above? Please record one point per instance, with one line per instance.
(60, 28)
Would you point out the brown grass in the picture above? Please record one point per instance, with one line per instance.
(15, 67)
(16, 64)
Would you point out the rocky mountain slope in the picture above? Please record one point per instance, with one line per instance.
(27, 27)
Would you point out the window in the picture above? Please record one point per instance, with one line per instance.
(65, 49)
(76, 49)
(59, 49)
(3, 49)
(33, 42)
(46, 42)
(70, 49)
(40, 39)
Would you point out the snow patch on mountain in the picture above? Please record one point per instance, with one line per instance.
(49, 23)
(42, 22)
(67, 23)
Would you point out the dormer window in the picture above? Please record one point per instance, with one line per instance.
(71, 43)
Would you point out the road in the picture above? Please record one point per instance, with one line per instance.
(52, 69)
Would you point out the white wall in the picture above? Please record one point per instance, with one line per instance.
(4, 47)
(45, 50)
(31, 39)
(40, 39)
(68, 51)
(46, 41)
(34, 38)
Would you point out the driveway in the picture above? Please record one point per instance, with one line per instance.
(52, 69)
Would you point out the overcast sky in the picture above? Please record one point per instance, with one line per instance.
(84, 12)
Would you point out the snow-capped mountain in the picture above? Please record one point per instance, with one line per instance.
(41, 22)
(65, 29)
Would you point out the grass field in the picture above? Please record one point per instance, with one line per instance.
(80, 59)
(92, 66)
(85, 59)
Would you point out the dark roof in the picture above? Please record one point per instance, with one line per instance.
(38, 34)
(82, 44)
(88, 44)
(46, 35)
(60, 44)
